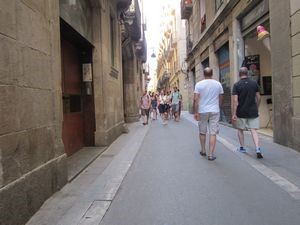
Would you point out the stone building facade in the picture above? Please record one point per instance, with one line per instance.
(134, 57)
(62, 85)
(222, 34)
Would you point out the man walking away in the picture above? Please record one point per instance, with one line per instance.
(208, 97)
(246, 100)
(145, 107)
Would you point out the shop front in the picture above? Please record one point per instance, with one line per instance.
(258, 57)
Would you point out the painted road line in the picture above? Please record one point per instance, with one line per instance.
(286, 185)
(290, 188)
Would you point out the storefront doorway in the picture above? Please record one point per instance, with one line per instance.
(78, 99)
(258, 61)
(258, 56)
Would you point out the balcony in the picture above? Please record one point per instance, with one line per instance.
(186, 9)
(173, 41)
(169, 52)
(132, 18)
(123, 4)
(141, 50)
(189, 44)
(164, 80)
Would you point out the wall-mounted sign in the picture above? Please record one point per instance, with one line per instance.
(87, 74)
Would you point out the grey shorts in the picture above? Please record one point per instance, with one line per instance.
(175, 107)
(247, 123)
(210, 121)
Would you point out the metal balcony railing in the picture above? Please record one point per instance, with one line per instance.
(189, 44)
(132, 19)
(141, 50)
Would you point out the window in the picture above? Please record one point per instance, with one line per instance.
(218, 4)
(112, 39)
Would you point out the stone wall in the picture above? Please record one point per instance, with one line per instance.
(32, 159)
(108, 81)
(281, 67)
(295, 35)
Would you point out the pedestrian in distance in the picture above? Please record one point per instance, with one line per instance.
(208, 98)
(176, 97)
(145, 104)
(180, 104)
(245, 104)
(169, 104)
(154, 106)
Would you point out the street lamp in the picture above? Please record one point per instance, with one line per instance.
(153, 55)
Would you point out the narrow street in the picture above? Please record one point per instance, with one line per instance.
(155, 176)
(77, 77)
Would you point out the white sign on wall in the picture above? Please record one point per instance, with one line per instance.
(87, 75)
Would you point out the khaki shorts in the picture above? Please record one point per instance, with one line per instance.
(244, 123)
(210, 121)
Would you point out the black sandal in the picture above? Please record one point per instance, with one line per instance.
(203, 153)
(259, 155)
(211, 158)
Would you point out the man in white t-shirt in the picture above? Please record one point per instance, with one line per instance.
(208, 97)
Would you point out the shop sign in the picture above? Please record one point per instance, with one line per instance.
(87, 72)
(255, 14)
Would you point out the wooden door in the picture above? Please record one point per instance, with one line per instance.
(72, 86)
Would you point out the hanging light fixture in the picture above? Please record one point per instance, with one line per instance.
(153, 55)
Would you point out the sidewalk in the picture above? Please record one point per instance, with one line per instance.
(280, 164)
(85, 200)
